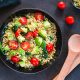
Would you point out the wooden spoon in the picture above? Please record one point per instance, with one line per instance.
(76, 62)
(74, 51)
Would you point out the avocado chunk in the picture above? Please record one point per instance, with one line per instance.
(20, 38)
(17, 23)
(46, 24)
(23, 58)
(38, 41)
(43, 33)
(10, 36)
(21, 51)
(13, 52)
(35, 50)
(34, 24)
(22, 63)
(25, 30)
(6, 48)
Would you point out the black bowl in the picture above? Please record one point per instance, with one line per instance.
(58, 44)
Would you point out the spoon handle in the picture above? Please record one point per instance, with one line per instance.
(75, 63)
(67, 65)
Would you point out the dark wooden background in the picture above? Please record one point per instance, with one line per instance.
(67, 31)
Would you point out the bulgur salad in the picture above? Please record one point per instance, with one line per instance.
(30, 40)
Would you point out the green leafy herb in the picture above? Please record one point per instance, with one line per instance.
(51, 38)
(0, 45)
(1, 49)
(15, 28)
(45, 53)
(41, 62)
(28, 53)
(23, 33)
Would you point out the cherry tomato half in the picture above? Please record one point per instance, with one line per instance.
(70, 20)
(17, 33)
(25, 45)
(29, 35)
(13, 44)
(49, 47)
(23, 20)
(15, 59)
(35, 33)
(38, 16)
(61, 5)
(34, 61)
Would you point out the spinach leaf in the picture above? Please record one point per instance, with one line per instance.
(51, 38)
(23, 34)
(15, 28)
(28, 53)
(1, 49)
(45, 53)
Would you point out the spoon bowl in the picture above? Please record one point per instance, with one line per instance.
(74, 43)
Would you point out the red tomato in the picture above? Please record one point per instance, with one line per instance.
(15, 59)
(38, 16)
(23, 20)
(61, 5)
(70, 20)
(13, 44)
(50, 47)
(25, 45)
(17, 33)
(35, 33)
(34, 61)
(29, 35)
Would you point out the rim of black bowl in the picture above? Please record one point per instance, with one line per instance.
(41, 10)
(74, 5)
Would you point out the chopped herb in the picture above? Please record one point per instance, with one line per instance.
(15, 28)
(23, 33)
(45, 53)
(51, 38)
(28, 53)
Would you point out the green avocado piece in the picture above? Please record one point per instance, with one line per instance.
(35, 50)
(43, 33)
(23, 58)
(38, 41)
(13, 52)
(25, 30)
(21, 51)
(17, 23)
(20, 38)
(46, 24)
(6, 48)
(34, 24)
(10, 36)
(22, 63)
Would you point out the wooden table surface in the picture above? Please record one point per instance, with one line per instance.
(67, 31)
